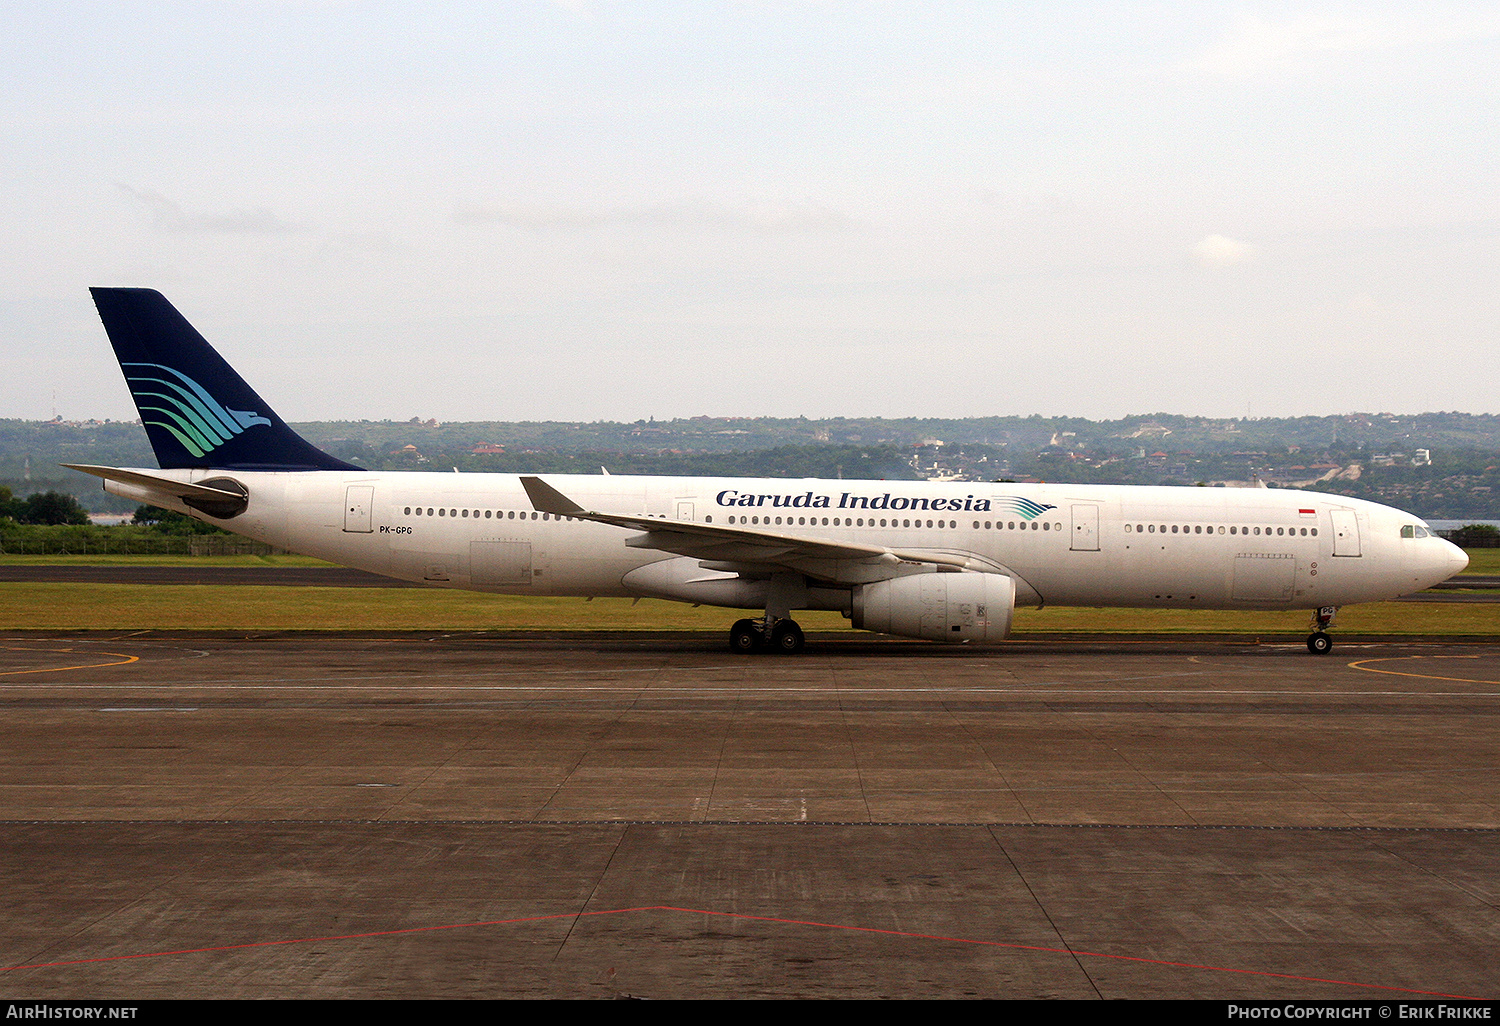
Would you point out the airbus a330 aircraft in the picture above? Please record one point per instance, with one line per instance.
(939, 561)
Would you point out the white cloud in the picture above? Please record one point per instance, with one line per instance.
(170, 218)
(1254, 45)
(1222, 251)
(763, 217)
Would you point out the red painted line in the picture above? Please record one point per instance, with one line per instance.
(1071, 951)
(759, 919)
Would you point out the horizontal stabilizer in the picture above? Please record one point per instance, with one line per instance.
(180, 489)
(219, 502)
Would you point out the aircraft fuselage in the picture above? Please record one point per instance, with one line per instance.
(1091, 545)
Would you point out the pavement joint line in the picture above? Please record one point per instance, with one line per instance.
(778, 920)
(748, 690)
(946, 824)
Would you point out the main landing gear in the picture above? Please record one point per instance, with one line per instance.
(776, 631)
(767, 634)
(1319, 642)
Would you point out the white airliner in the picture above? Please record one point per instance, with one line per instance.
(939, 561)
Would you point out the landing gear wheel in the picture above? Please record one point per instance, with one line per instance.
(745, 637)
(1319, 643)
(787, 637)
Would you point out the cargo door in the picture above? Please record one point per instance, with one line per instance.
(1264, 577)
(499, 563)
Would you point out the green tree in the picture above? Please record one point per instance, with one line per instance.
(167, 521)
(52, 508)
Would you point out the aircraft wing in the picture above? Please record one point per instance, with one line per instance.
(741, 548)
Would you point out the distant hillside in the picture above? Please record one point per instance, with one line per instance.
(1439, 465)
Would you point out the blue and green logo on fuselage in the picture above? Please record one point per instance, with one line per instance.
(198, 421)
(1021, 507)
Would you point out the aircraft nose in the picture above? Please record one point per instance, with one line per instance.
(1458, 559)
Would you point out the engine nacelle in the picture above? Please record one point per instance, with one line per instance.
(938, 607)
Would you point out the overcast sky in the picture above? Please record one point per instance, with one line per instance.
(597, 210)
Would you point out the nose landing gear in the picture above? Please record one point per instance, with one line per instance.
(1319, 642)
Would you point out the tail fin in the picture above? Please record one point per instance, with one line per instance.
(198, 413)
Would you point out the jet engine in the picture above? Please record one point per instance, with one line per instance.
(938, 607)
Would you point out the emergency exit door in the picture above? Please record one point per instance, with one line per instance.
(359, 500)
(1085, 528)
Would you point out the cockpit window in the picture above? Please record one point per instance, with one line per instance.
(1415, 531)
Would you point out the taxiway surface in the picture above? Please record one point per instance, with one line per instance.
(500, 815)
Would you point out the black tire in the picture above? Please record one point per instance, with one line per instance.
(787, 637)
(745, 637)
(1319, 643)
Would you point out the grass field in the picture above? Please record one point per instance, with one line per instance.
(14, 559)
(123, 606)
(1483, 561)
(55, 606)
